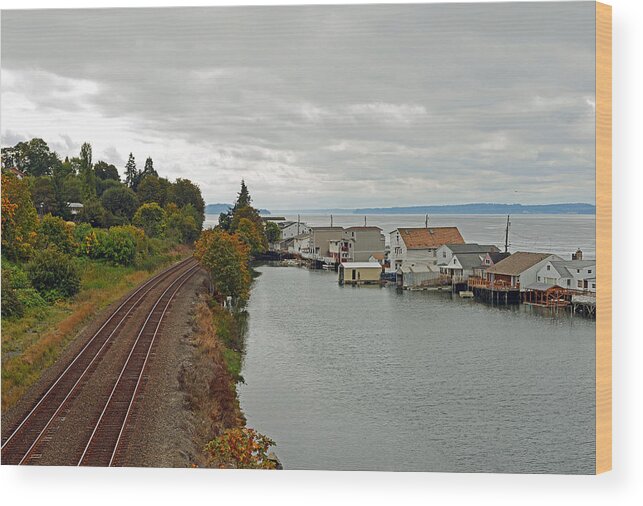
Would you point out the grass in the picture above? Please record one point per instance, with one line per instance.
(34, 342)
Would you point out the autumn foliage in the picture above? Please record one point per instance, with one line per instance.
(226, 257)
(19, 218)
(241, 448)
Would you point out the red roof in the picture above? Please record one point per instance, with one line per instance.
(431, 237)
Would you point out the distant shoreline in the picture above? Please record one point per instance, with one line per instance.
(472, 209)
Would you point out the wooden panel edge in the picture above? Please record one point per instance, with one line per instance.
(603, 237)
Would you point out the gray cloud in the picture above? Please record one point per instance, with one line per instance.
(320, 106)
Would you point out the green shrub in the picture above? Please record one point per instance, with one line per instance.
(11, 304)
(29, 297)
(150, 217)
(16, 276)
(118, 246)
(54, 274)
(54, 232)
(86, 240)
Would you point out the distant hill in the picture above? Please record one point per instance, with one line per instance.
(223, 208)
(484, 209)
(217, 208)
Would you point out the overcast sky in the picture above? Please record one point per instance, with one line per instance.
(318, 107)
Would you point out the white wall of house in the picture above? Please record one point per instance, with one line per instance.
(530, 275)
(397, 255)
(582, 278)
(400, 255)
(290, 231)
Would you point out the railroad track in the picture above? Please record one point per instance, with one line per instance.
(110, 429)
(23, 443)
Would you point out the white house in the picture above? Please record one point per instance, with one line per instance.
(571, 274)
(445, 252)
(419, 245)
(290, 229)
(300, 245)
(462, 265)
(520, 269)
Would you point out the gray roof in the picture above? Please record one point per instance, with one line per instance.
(361, 265)
(519, 262)
(563, 266)
(472, 247)
(469, 260)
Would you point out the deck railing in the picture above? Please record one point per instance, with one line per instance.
(496, 284)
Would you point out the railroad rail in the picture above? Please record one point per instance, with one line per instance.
(23, 442)
(109, 429)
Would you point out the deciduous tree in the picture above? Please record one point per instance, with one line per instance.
(151, 218)
(225, 256)
(19, 218)
(32, 157)
(120, 201)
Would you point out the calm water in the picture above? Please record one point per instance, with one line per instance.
(369, 378)
(559, 234)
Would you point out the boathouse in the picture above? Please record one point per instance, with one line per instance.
(417, 276)
(359, 273)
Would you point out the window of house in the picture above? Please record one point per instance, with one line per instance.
(589, 271)
(593, 285)
(580, 283)
(569, 282)
(577, 271)
(538, 278)
(444, 254)
(549, 267)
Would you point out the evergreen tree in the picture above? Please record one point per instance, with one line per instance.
(149, 168)
(86, 171)
(131, 174)
(243, 199)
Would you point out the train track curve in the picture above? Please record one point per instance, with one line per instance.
(24, 441)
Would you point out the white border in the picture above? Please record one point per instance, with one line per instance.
(51, 486)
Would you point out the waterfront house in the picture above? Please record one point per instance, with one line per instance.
(300, 245)
(576, 275)
(419, 245)
(489, 260)
(461, 266)
(341, 250)
(359, 273)
(367, 241)
(320, 237)
(445, 252)
(291, 229)
(518, 270)
(414, 276)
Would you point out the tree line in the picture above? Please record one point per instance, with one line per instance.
(226, 250)
(120, 222)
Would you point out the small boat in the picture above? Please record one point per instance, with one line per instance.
(466, 294)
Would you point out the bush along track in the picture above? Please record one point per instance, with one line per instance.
(226, 252)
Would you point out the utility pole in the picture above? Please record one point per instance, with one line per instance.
(364, 220)
(507, 235)
(426, 221)
(297, 224)
(331, 220)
